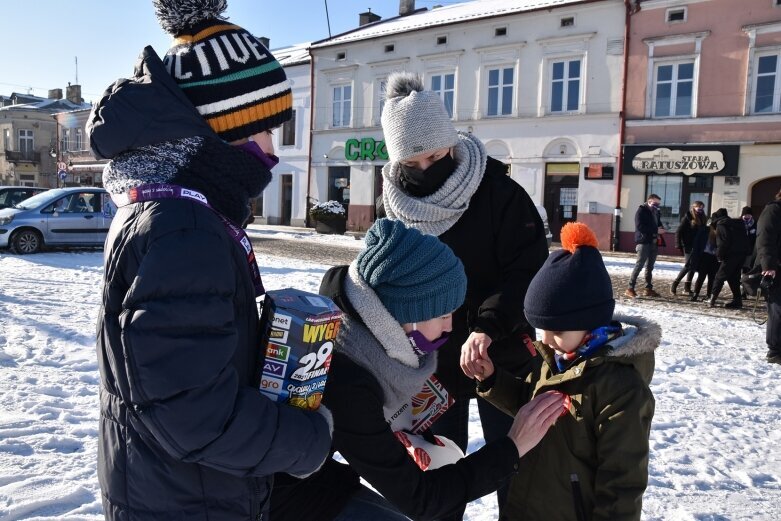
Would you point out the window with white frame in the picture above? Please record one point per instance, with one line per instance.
(65, 138)
(673, 89)
(445, 86)
(79, 142)
(26, 144)
(500, 91)
(381, 85)
(7, 138)
(341, 105)
(766, 83)
(565, 85)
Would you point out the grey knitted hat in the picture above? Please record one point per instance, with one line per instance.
(414, 120)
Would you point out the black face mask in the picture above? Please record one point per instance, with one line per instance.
(420, 183)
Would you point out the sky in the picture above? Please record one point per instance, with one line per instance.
(43, 38)
(713, 445)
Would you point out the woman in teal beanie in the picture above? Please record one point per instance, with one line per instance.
(398, 297)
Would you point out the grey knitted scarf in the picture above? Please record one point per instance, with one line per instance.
(436, 213)
(381, 347)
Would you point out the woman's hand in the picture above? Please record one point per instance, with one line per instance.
(535, 418)
(474, 350)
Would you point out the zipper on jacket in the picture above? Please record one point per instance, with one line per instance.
(577, 498)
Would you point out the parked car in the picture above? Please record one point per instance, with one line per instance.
(13, 195)
(544, 216)
(76, 216)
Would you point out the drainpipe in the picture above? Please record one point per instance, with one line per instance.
(311, 135)
(622, 125)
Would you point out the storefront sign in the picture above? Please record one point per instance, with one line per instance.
(365, 149)
(681, 159)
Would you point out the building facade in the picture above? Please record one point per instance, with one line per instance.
(703, 108)
(539, 82)
(73, 151)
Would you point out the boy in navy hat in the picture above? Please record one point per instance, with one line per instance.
(593, 464)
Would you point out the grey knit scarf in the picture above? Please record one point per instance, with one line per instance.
(436, 213)
(381, 347)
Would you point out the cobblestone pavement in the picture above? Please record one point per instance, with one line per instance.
(334, 254)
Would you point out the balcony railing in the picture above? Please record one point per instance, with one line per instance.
(25, 156)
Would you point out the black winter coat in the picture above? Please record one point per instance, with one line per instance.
(501, 241)
(647, 224)
(731, 239)
(686, 232)
(365, 440)
(769, 238)
(184, 432)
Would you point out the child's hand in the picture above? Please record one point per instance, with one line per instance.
(485, 367)
(475, 348)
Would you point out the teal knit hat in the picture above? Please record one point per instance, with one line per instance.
(415, 276)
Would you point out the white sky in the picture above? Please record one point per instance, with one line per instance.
(714, 443)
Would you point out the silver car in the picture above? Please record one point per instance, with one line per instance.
(76, 216)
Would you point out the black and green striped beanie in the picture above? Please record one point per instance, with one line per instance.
(229, 75)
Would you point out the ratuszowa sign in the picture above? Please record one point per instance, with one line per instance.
(684, 159)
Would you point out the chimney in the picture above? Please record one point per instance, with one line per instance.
(265, 41)
(55, 94)
(406, 7)
(73, 94)
(367, 18)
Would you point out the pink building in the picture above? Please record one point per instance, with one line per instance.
(703, 108)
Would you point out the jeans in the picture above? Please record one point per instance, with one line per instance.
(454, 424)
(367, 505)
(646, 256)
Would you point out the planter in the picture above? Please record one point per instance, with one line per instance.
(331, 226)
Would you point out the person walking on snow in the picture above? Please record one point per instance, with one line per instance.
(648, 229)
(184, 431)
(769, 259)
(692, 224)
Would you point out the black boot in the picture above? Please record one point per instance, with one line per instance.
(734, 304)
(712, 302)
(694, 297)
(687, 288)
(674, 287)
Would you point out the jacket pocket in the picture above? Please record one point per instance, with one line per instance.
(577, 498)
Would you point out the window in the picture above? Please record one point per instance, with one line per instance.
(441, 40)
(65, 139)
(676, 15)
(342, 99)
(7, 139)
(673, 90)
(500, 91)
(445, 86)
(678, 192)
(500, 31)
(383, 83)
(766, 84)
(341, 56)
(568, 21)
(78, 144)
(565, 86)
(289, 131)
(26, 143)
(390, 47)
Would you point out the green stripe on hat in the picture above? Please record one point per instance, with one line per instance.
(255, 71)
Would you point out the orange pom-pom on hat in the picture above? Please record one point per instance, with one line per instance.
(577, 234)
(572, 291)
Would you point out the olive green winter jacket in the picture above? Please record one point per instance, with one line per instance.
(593, 463)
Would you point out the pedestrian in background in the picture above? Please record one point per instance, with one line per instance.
(692, 224)
(706, 262)
(747, 214)
(648, 230)
(184, 431)
(769, 258)
(732, 247)
(442, 182)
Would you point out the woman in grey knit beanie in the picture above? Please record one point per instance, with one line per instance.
(442, 182)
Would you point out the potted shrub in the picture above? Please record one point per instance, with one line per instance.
(330, 217)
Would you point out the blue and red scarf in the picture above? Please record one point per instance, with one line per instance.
(593, 340)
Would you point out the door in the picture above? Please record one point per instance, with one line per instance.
(762, 193)
(75, 219)
(287, 199)
(561, 195)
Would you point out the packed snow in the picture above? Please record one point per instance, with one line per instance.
(714, 443)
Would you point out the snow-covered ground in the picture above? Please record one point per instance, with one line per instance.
(714, 444)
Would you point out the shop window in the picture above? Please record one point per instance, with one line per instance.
(341, 106)
(500, 91)
(565, 86)
(339, 184)
(678, 192)
(673, 89)
(445, 86)
(766, 83)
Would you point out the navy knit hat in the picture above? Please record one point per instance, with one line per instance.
(572, 291)
(229, 75)
(415, 276)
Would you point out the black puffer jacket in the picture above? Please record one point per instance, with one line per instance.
(769, 238)
(184, 431)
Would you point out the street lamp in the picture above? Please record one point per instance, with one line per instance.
(53, 153)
